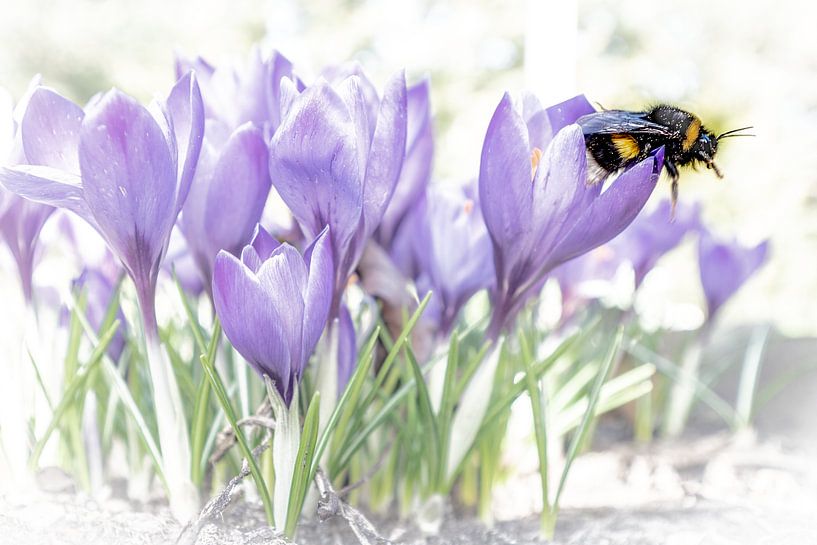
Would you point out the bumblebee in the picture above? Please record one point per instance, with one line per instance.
(617, 139)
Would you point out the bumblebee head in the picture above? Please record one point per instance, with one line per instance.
(705, 148)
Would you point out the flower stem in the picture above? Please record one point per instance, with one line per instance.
(170, 418)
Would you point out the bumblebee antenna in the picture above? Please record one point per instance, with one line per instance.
(730, 134)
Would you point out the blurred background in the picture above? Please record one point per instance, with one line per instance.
(733, 63)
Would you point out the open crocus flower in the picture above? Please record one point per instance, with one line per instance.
(273, 304)
(228, 194)
(127, 171)
(725, 266)
(334, 163)
(537, 206)
(245, 93)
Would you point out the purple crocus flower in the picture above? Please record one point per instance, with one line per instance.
(538, 209)
(273, 304)
(725, 265)
(415, 174)
(450, 251)
(228, 194)
(336, 163)
(126, 170)
(244, 93)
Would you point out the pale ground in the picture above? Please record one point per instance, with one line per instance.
(713, 490)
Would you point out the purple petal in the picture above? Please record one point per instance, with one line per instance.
(237, 191)
(347, 348)
(263, 242)
(314, 164)
(280, 68)
(129, 181)
(386, 153)
(560, 193)
(48, 186)
(505, 175)
(725, 266)
(50, 130)
(318, 297)
(416, 171)
(611, 212)
(187, 113)
(567, 112)
(250, 319)
(537, 120)
(284, 278)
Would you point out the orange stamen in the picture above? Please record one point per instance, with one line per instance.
(535, 157)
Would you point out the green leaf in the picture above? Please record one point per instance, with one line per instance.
(229, 412)
(200, 412)
(428, 422)
(302, 478)
(76, 387)
(589, 415)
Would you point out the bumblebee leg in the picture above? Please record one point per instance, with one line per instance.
(673, 173)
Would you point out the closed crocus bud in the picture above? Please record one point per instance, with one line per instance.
(273, 304)
(537, 206)
(725, 266)
(335, 163)
(246, 92)
(452, 251)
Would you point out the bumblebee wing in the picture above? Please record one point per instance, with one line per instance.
(620, 122)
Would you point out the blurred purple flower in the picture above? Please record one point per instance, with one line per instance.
(274, 304)
(123, 168)
(725, 266)
(653, 234)
(249, 92)
(416, 171)
(450, 251)
(99, 286)
(538, 209)
(228, 193)
(335, 163)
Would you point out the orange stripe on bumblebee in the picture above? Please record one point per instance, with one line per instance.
(626, 146)
(692, 133)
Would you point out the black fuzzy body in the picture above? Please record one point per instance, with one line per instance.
(685, 140)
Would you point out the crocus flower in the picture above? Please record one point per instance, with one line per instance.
(538, 209)
(273, 304)
(725, 265)
(451, 251)
(336, 164)
(243, 93)
(127, 171)
(416, 171)
(228, 193)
